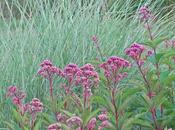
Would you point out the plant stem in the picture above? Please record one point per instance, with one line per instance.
(143, 75)
(149, 31)
(153, 112)
(99, 51)
(115, 108)
(51, 87)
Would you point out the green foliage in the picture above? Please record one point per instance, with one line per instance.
(61, 31)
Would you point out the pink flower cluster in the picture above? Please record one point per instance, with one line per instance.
(86, 76)
(145, 13)
(135, 52)
(103, 116)
(35, 106)
(70, 73)
(170, 43)
(113, 68)
(104, 119)
(55, 126)
(95, 39)
(61, 117)
(47, 69)
(74, 121)
(17, 97)
(92, 123)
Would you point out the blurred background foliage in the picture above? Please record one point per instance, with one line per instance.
(16, 8)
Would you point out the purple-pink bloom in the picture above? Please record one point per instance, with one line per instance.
(55, 126)
(145, 13)
(149, 53)
(61, 117)
(89, 76)
(95, 39)
(113, 68)
(16, 101)
(47, 70)
(104, 124)
(70, 72)
(74, 121)
(170, 43)
(11, 90)
(91, 124)
(35, 106)
(103, 116)
(135, 51)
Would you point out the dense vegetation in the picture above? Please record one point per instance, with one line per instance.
(91, 65)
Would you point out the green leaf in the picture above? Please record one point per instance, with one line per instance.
(170, 78)
(38, 125)
(154, 43)
(98, 100)
(142, 122)
(154, 59)
(16, 115)
(164, 76)
(9, 125)
(67, 113)
(91, 115)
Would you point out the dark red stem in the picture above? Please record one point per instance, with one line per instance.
(51, 87)
(115, 107)
(144, 77)
(153, 112)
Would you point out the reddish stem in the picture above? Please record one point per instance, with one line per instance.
(149, 31)
(144, 77)
(51, 87)
(153, 112)
(85, 102)
(33, 121)
(113, 103)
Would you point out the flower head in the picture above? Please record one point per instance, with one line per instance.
(47, 69)
(16, 101)
(170, 43)
(55, 126)
(61, 117)
(35, 106)
(104, 124)
(91, 124)
(103, 116)
(113, 68)
(89, 76)
(11, 90)
(135, 51)
(74, 121)
(145, 13)
(70, 72)
(17, 96)
(95, 39)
